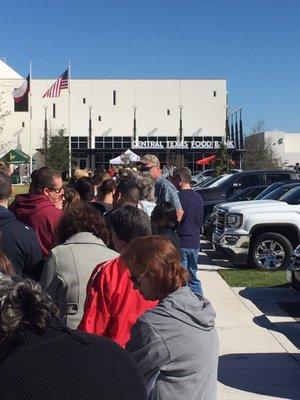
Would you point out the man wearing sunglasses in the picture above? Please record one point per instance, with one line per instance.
(41, 207)
(164, 189)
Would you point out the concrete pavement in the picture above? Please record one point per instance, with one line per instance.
(257, 359)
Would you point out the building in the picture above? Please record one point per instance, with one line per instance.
(286, 146)
(168, 117)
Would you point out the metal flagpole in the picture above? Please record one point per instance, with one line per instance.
(46, 134)
(241, 139)
(30, 118)
(69, 89)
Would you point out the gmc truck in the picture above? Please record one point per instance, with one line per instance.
(225, 188)
(261, 233)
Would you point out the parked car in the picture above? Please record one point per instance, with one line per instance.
(203, 176)
(293, 271)
(272, 192)
(247, 194)
(261, 233)
(221, 190)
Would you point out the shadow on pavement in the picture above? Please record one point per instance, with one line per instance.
(291, 330)
(268, 299)
(269, 374)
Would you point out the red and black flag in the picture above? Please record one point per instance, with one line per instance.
(20, 95)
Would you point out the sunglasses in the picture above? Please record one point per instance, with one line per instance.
(146, 169)
(57, 191)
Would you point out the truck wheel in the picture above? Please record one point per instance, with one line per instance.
(270, 252)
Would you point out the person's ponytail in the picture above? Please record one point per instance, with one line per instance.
(23, 305)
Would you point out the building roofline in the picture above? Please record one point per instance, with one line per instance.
(136, 79)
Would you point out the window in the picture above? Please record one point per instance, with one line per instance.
(116, 142)
(114, 97)
(79, 142)
(98, 142)
(84, 100)
(54, 110)
(168, 112)
(274, 177)
(215, 93)
(99, 118)
(292, 196)
(244, 182)
(23, 124)
(248, 180)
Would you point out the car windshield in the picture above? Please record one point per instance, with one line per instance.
(217, 181)
(278, 193)
(275, 194)
(239, 195)
(292, 196)
(268, 190)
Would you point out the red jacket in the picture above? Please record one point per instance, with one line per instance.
(39, 212)
(112, 305)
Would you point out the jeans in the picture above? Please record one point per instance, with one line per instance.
(189, 261)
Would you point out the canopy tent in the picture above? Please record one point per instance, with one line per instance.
(206, 160)
(125, 157)
(16, 157)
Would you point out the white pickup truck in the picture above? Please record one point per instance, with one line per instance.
(261, 233)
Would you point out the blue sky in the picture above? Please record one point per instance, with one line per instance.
(254, 44)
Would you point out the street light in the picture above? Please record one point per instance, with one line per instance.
(90, 137)
(134, 123)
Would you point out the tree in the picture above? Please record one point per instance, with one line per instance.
(259, 153)
(57, 155)
(223, 161)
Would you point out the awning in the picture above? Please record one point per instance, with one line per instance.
(16, 157)
(128, 155)
(206, 160)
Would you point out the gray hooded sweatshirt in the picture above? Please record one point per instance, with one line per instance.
(176, 348)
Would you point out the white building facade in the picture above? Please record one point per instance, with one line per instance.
(161, 116)
(285, 145)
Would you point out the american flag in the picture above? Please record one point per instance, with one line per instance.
(61, 83)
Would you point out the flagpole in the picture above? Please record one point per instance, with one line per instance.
(30, 118)
(69, 89)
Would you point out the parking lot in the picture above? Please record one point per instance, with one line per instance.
(259, 334)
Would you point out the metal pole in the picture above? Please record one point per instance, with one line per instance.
(180, 124)
(70, 149)
(241, 140)
(46, 135)
(134, 123)
(90, 137)
(30, 118)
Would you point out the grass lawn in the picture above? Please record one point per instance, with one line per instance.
(253, 278)
(18, 189)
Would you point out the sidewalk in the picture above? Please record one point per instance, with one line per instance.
(256, 361)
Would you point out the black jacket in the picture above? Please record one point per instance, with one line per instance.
(20, 244)
(65, 365)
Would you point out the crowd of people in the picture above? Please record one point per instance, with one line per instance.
(99, 294)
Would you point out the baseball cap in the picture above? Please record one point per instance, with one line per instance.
(150, 160)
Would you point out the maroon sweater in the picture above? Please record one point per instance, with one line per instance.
(40, 213)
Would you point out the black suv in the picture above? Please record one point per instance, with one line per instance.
(239, 181)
